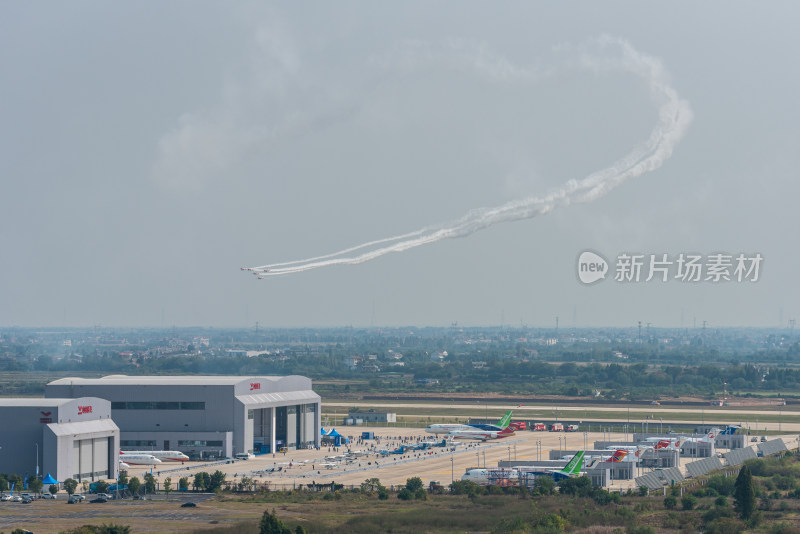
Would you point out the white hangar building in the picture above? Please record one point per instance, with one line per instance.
(66, 437)
(205, 415)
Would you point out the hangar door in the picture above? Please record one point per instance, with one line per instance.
(90, 458)
(100, 458)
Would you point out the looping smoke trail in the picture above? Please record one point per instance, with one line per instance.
(674, 118)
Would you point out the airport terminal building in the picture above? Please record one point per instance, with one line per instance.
(205, 416)
(66, 437)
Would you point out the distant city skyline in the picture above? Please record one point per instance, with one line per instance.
(150, 150)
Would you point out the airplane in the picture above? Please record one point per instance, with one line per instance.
(667, 444)
(708, 438)
(330, 465)
(140, 459)
(123, 465)
(447, 428)
(482, 435)
(572, 469)
(481, 476)
(664, 442)
(171, 456)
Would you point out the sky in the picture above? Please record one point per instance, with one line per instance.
(148, 150)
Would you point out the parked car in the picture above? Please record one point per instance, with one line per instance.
(106, 496)
(99, 500)
(48, 496)
(27, 499)
(188, 505)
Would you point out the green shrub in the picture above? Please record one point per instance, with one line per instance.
(688, 502)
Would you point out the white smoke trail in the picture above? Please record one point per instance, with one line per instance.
(674, 117)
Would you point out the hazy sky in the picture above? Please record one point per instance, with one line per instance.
(150, 149)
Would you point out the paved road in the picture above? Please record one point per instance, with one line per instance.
(547, 411)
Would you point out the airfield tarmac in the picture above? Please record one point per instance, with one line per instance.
(435, 464)
(442, 465)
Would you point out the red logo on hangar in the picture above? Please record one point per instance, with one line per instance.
(255, 385)
(46, 419)
(84, 410)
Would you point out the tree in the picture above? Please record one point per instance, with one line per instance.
(167, 486)
(370, 485)
(123, 478)
(405, 494)
(216, 481)
(149, 483)
(101, 487)
(70, 485)
(688, 502)
(35, 485)
(134, 484)
(545, 485)
(246, 483)
(201, 481)
(53, 489)
(183, 483)
(270, 524)
(744, 494)
(413, 484)
(670, 502)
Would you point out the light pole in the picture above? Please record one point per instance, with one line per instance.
(37, 459)
(452, 470)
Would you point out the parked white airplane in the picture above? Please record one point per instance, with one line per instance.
(123, 465)
(708, 438)
(447, 428)
(482, 435)
(170, 456)
(481, 476)
(139, 459)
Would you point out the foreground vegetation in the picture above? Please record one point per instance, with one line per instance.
(764, 496)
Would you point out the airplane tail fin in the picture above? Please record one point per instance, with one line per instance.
(618, 455)
(574, 466)
(505, 420)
